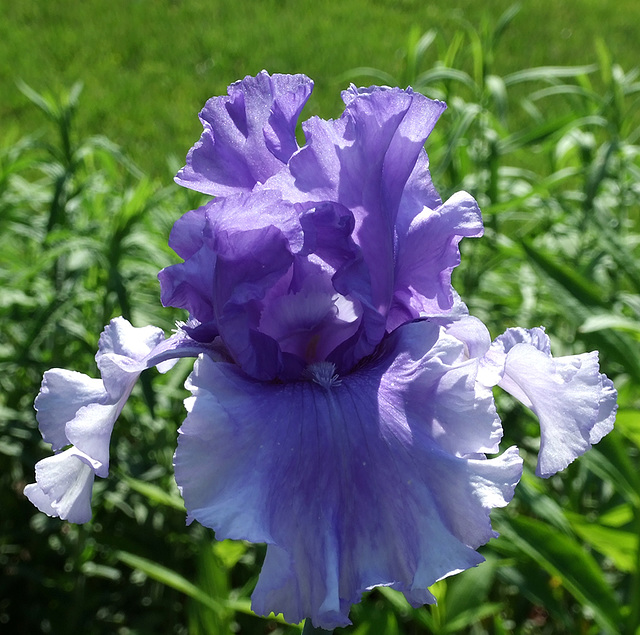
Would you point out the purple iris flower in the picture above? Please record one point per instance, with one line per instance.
(342, 405)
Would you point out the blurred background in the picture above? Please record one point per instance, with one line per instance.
(99, 103)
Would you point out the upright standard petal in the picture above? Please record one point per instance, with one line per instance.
(575, 403)
(363, 161)
(248, 135)
(282, 286)
(392, 244)
(353, 481)
(427, 255)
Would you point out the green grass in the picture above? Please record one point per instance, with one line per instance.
(149, 65)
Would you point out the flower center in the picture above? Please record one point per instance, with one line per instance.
(312, 321)
(324, 374)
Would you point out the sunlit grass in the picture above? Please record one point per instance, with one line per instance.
(148, 66)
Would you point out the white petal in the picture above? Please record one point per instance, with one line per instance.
(62, 394)
(90, 431)
(124, 340)
(63, 486)
(123, 352)
(575, 404)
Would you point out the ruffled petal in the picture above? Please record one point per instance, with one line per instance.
(122, 354)
(419, 192)
(63, 486)
(363, 161)
(91, 427)
(248, 135)
(427, 255)
(575, 403)
(328, 230)
(249, 263)
(62, 394)
(606, 412)
(189, 285)
(253, 210)
(194, 285)
(354, 481)
(73, 409)
(187, 233)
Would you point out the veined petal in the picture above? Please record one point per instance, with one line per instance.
(248, 135)
(575, 403)
(63, 486)
(255, 210)
(315, 469)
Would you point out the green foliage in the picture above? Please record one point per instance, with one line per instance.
(552, 155)
(149, 65)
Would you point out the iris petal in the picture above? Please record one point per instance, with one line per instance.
(574, 402)
(363, 161)
(315, 469)
(427, 255)
(73, 409)
(189, 285)
(62, 394)
(248, 135)
(341, 407)
(63, 486)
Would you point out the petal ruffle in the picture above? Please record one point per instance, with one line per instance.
(427, 255)
(62, 394)
(257, 260)
(366, 172)
(73, 409)
(248, 264)
(63, 486)
(363, 161)
(207, 234)
(248, 135)
(123, 351)
(189, 285)
(575, 403)
(315, 469)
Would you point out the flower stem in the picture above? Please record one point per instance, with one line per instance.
(310, 629)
